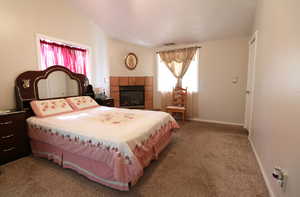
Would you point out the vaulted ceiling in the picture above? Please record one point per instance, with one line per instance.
(156, 22)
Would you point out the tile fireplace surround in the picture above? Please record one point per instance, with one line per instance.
(116, 82)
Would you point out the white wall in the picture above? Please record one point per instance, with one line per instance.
(218, 98)
(117, 51)
(220, 62)
(276, 124)
(20, 21)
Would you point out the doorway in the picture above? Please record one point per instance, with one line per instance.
(250, 83)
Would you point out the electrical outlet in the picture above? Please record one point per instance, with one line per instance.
(281, 177)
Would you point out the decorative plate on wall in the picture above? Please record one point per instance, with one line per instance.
(131, 61)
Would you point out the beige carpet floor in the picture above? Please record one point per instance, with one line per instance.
(203, 160)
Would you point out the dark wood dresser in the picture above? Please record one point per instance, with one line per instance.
(109, 102)
(14, 142)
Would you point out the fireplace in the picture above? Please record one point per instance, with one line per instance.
(115, 82)
(132, 97)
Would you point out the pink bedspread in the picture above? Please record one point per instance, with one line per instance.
(100, 162)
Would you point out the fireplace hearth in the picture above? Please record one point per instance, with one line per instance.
(132, 97)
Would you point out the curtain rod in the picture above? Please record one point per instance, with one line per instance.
(198, 47)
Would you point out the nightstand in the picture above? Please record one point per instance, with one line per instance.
(109, 102)
(14, 141)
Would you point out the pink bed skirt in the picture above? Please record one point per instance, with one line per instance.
(102, 165)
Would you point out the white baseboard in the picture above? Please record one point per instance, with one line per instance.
(262, 170)
(217, 122)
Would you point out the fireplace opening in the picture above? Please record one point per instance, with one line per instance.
(132, 97)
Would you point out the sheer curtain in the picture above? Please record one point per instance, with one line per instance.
(178, 61)
(73, 58)
(166, 82)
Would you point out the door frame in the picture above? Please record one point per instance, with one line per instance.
(248, 123)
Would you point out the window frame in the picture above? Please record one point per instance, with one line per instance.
(197, 55)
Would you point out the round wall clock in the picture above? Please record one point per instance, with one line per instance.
(131, 61)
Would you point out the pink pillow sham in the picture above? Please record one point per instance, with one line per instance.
(44, 108)
(82, 102)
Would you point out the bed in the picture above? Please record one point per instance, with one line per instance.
(111, 146)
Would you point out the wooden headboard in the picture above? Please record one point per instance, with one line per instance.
(27, 85)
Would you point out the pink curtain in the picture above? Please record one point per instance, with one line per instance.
(73, 58)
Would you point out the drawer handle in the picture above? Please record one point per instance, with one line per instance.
(6, 123)
(9, 149)
(7, 136)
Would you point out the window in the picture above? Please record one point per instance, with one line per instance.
(57, 53)
(167, 81)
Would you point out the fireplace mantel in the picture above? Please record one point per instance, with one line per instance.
(117, 81)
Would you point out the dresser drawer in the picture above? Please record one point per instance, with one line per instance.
(12, 149)
(13, 137)
(8, 132)
(6, 125)
(11, 125)
(9, 138)
(109, 103)
(9, 150)
(105, 102)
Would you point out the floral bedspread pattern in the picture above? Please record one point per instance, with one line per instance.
(114, 117)
(121, 130)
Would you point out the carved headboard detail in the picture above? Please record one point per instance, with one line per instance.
(27, 84)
